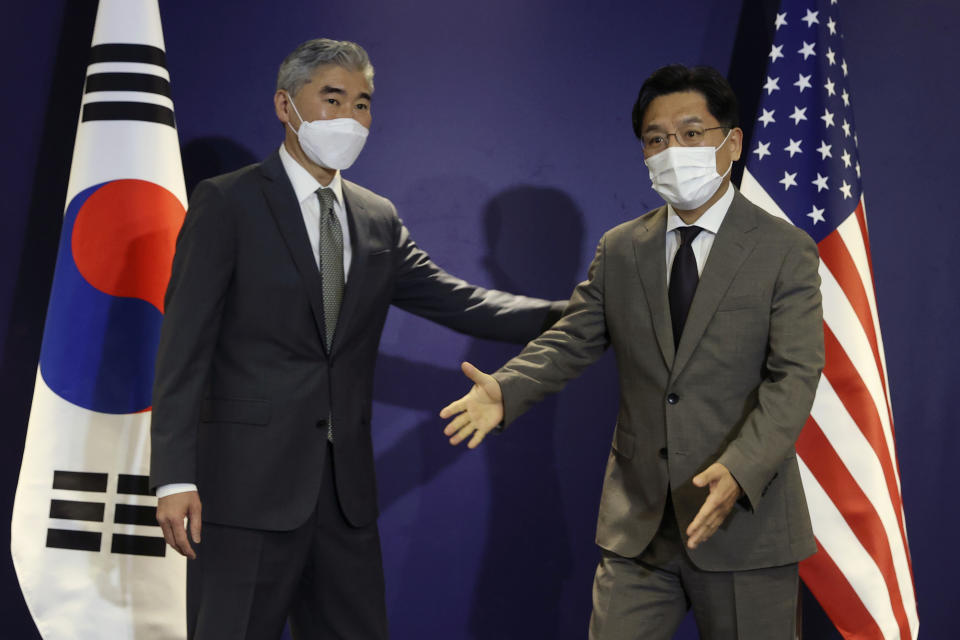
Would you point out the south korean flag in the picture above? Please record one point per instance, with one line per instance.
(88, 552)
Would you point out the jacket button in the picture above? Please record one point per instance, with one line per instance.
(662, 453)
(673, 398)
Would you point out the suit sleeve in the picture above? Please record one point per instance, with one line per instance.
(202, 268)
(794, 361)
(426, 290)
(561, 353)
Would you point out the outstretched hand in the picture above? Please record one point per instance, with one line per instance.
(478, 412)
(724, 491)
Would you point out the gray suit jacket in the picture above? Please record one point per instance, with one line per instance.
(737, 390)
(244, 383)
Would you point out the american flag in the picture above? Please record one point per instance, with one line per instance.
(802, 164)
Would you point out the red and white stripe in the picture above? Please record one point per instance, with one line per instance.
(862, 574)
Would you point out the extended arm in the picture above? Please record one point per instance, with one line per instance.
(427, 290)
(543, 367)
(561, 353)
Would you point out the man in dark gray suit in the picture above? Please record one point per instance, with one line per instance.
(702, 504)
(281, 282)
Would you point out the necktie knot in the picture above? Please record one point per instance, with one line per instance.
(327, 199)
(687, 234)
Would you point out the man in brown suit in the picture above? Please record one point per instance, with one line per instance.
(713, 309)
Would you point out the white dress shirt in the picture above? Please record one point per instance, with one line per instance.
(710, 223)
(305, 187)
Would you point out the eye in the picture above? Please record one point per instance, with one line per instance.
(654, 140)
(363, 106)
(693, 134)
(333, 101)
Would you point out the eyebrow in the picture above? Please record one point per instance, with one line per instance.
(328, 89)
(658, 127)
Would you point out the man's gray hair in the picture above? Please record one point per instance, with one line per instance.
(298, 67)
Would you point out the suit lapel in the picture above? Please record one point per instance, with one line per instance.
(359, 221)
(286, 211)
(648, 246)
(730, 249)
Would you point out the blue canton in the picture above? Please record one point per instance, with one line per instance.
(804, 148)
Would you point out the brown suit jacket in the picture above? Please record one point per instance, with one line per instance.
(737, 390)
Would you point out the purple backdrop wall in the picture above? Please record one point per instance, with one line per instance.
(501, 131)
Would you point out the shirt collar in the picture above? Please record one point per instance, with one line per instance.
(304, 184)
(711, 218)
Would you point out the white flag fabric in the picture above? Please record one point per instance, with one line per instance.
(89, 555)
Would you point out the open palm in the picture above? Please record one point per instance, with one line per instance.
(477, 413)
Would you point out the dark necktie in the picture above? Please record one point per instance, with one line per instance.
(331, 271)
(683, 281)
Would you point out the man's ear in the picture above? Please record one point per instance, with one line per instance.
(281, 104)
(736, 143)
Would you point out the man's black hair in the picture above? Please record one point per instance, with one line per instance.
(674, 78)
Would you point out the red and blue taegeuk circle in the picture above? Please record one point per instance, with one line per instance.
(106, 304)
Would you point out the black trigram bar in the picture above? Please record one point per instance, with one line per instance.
(127, 82)
(138, 545)
(80, 481)
(134, 485)
(128, 53)
(75, 510)
(75, 540)
(135, 514)
(128, 111)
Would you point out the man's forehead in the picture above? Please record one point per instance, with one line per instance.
(342, 77)
(682, 106)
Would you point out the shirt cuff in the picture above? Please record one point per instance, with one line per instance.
(169, 489)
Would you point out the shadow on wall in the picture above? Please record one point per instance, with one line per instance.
(211, 156)
(534, 240)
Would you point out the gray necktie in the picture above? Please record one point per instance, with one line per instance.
(331, 262)
(331, 271)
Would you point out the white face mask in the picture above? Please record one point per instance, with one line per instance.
(334, 144)
(686, 177)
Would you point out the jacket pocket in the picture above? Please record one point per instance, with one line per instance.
(236, 410)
